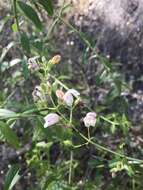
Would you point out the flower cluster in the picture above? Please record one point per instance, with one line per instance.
(68, 98)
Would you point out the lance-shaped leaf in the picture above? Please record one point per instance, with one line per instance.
(4, 114)
(9, 135)
(12, 177)
(48, 6)
(30, 13)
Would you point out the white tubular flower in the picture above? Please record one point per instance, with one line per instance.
(51, 119)
(74, 92)
(68, 99)
(90, 119)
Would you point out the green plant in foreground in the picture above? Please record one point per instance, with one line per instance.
(63, 126)
(55, 110)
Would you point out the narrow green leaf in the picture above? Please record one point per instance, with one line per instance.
(25, 42)
(4, 113)
(48, 6)
(30, 13)
(9, 135)
(25, 70)
(12, 177)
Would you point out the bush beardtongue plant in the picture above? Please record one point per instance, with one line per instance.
(66, 153)
(57, 103)
(64, 124)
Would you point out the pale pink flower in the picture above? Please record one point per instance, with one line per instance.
(51, 119)
(90, 119)
(68, 99)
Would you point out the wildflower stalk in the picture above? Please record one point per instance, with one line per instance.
(36, 112)
(88, 140)
(66, 88)
(100, 147)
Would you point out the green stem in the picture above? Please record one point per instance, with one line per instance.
(70, 116)
(80, 145)
(109, 121)
(59, 82)
(100, 147)
(15, 15)
(88, 131)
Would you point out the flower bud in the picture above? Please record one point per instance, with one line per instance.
(60, 94)
(56, 59)
(51, 119)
